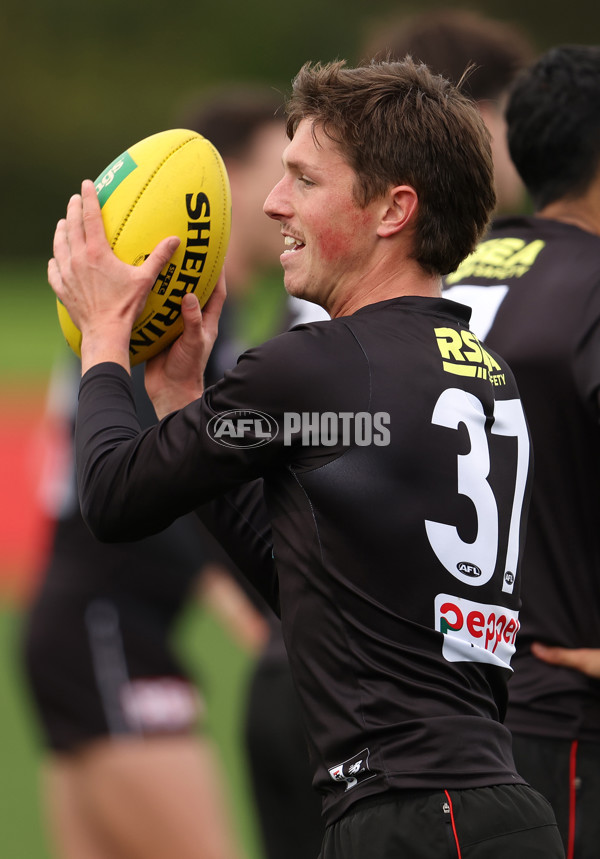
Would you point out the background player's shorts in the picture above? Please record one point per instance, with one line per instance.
(103, 666)
(97, 649)
(481, 823)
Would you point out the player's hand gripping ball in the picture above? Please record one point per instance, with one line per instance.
(170, 184)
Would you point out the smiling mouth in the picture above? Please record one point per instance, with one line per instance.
(292, 244)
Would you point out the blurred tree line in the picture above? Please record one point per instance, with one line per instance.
(82, 81)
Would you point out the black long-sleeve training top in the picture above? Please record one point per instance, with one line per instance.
(394, 459)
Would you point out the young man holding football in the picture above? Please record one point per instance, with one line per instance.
(397, 563)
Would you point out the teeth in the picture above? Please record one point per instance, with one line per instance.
(292, 244)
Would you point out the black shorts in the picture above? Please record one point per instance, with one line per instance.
(500, 822)
(567, 773)
(103, 667)
(97, 652)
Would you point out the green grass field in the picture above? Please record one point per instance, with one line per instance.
(31, 340)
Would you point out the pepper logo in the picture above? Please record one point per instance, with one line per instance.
(476, 632)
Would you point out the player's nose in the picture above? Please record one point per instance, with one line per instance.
(276, 205)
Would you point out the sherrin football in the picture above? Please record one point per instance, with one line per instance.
(173, 183)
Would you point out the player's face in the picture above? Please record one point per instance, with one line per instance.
(510, 191)
(251, 178)
(329, 239)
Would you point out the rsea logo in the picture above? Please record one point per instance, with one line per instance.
(498, 259)
(463, 355)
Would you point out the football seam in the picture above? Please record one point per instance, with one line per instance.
(147, 183)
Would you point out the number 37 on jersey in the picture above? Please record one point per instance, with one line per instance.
(482, 631)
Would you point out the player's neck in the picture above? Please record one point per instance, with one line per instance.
(583, 212)
(413, 280)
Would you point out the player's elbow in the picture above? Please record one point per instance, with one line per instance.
(104, 525)
(124, 521)
(102, 504)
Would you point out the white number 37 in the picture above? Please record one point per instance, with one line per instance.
(455, 407)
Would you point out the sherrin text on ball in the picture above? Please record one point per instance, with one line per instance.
(171, 183)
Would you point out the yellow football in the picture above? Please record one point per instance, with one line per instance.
(173, 183)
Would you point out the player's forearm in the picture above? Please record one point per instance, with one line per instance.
(172, 399)
(134, 482)
(584, 659)
(125, 492)
(108, 342)
(111, 392)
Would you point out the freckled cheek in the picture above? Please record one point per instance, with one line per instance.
(332, 245)
(341, 240)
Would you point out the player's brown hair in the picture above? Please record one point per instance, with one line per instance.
(397, 123)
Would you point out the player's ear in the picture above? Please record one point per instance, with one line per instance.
(401, 209)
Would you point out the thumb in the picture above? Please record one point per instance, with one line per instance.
(160, 256)
(192, 316)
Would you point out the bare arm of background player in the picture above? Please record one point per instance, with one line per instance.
(584, 659)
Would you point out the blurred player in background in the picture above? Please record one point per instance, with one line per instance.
(451, 40)
(534, 286)
(127, 773)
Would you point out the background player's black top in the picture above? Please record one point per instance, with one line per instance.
(397, 558)
(541, 310)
